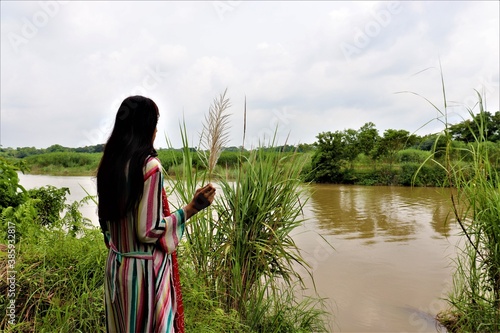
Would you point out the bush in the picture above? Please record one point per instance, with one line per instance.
(414, 174)
(230, 159)
(9, 185)
(412, 155)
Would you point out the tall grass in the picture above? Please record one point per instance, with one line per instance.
(475, 200)
(241, 247)
(255, 217)
(476, 206)
(59, 277)
(64, 163)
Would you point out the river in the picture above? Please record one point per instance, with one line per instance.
(391, 262)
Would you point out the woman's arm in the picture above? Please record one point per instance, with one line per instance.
(152, 226)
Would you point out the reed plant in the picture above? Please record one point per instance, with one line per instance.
(475, 299)
(241, 246)
(215, 133)
(474, 184)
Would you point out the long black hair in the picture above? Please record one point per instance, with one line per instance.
(120, 178)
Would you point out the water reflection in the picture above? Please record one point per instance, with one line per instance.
(388, 213)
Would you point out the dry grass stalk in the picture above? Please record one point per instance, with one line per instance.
(215, 133)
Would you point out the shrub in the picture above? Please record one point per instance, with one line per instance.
(9, 185)
(412, 155)
(414, 174)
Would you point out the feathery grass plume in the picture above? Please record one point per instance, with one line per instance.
(215, 135)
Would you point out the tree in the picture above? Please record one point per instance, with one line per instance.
(328, 159)
(351, 147)
(392, 141)
(469, 129)
(305, 147)
(56, 148)
(367, 138)
(9, 185)
(22, 152)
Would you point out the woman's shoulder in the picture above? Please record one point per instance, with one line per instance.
(151, 165)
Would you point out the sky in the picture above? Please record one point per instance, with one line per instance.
(303, 68)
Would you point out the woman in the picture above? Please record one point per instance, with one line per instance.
(142, 286)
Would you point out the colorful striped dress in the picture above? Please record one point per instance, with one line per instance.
(140, 293)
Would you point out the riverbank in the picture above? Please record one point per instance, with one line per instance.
(362, 172)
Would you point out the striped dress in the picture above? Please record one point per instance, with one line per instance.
(139, 284)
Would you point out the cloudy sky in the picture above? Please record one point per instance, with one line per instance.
(305, 67)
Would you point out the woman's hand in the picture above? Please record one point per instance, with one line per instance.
(203, 198)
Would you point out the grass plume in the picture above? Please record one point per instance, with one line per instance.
(215, 135)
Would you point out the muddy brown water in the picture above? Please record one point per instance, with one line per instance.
(391, 264)
(390, 267)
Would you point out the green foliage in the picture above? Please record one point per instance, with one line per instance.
(328, 164)
(202, 312)
(64, 162)
(9, 185)
(50, 202)
(416, 174)
(58, 276)
(29, 210)
(392, 142)
(22, 152)
(64, 159)
(367, 138)
(231, 159)
(412, 155)
(483, 123)
(476, 298)
(255, 217)
(59, 282)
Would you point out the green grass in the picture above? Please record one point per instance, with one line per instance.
(60, 287)
(59, 281)
(64, 163)
(472, 172)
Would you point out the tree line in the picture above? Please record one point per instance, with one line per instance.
(344, 156)
(362, 156)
